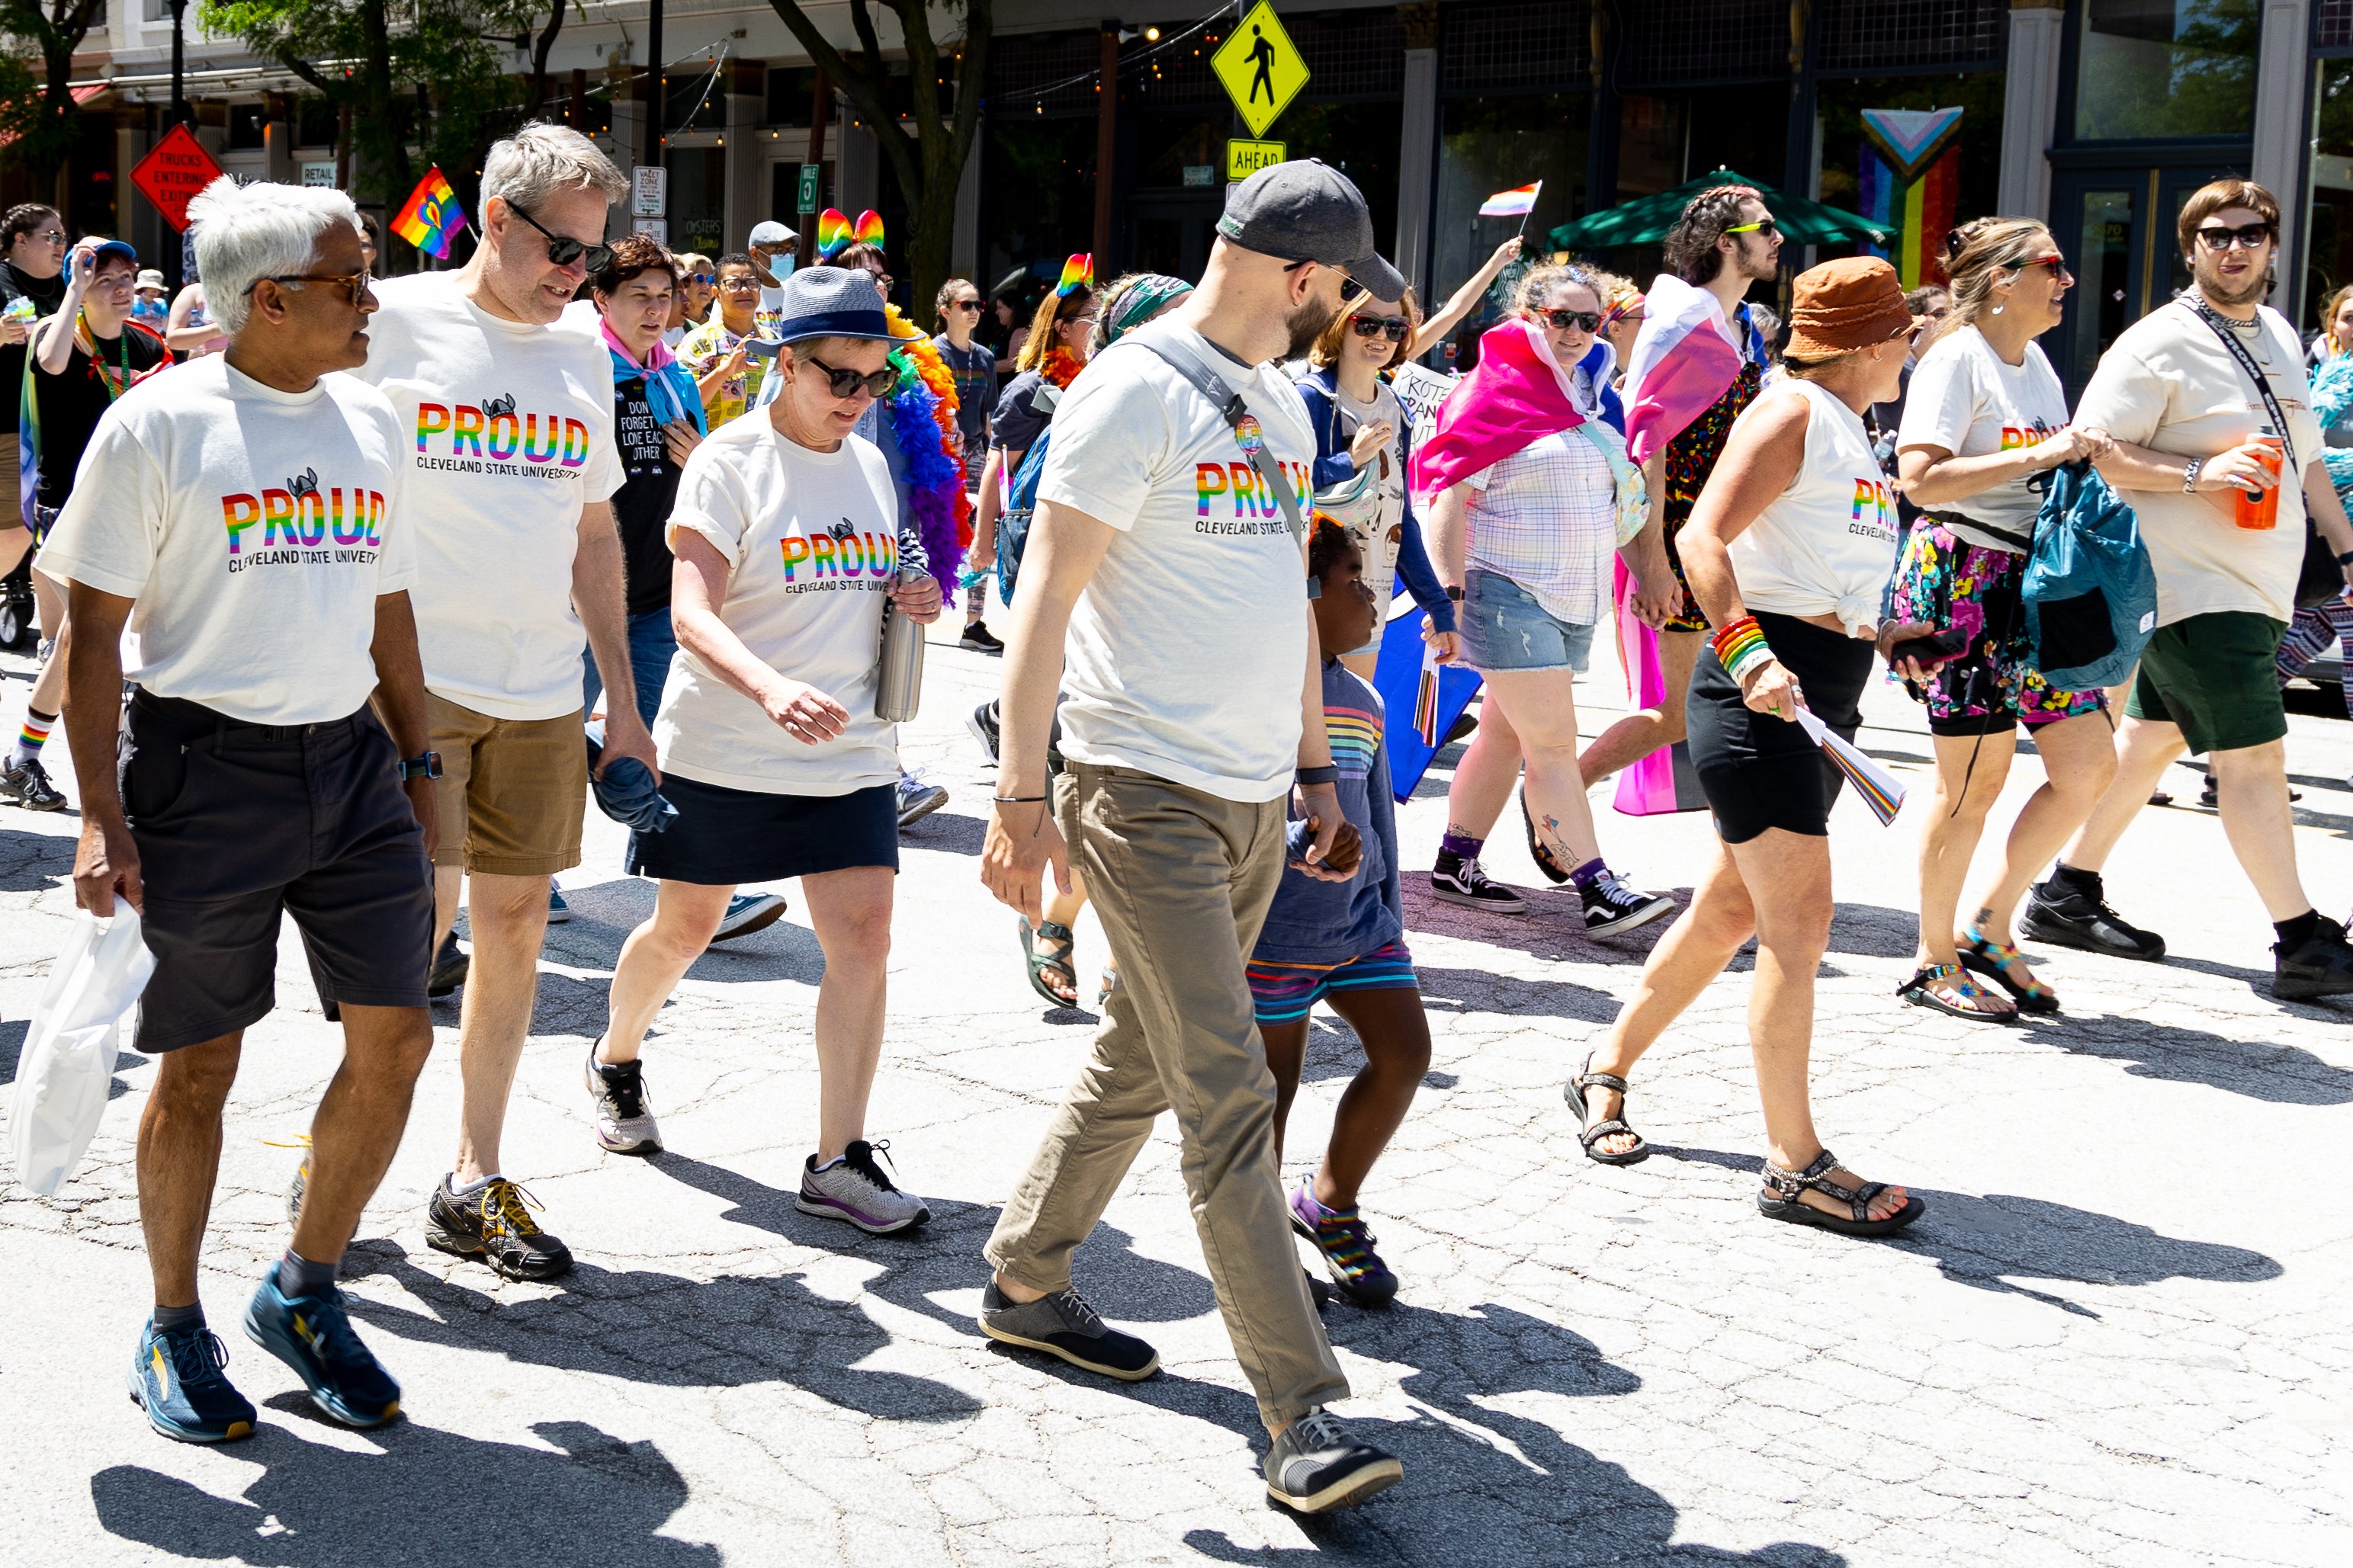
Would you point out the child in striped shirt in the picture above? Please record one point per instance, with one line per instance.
(1344, 944)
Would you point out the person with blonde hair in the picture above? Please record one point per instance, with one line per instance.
(1984, 419)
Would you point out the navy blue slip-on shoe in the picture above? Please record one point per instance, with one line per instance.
(175, 1377)
(313, 1335)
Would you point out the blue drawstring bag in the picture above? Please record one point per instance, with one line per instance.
(2090, 591)
(1020, 506)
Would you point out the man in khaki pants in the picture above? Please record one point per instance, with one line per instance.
(1165, 595)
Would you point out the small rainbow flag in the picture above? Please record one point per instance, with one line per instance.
(1515, 203)
(432, 217)
(1425, 698)
(1878, 787)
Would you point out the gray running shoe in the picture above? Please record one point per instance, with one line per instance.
(1064, 1325)
(854, 1188)
(748, 912)
(27, 784)
(918, 799)
(624, 1118)
(1316, 1467)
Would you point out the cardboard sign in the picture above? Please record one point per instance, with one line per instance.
(173, 172)
(1420, 390)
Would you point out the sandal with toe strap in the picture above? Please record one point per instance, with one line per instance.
(1779, 1200)
(1993, 959)
(1574, 1092)
(1042, 964)
(1916, 992)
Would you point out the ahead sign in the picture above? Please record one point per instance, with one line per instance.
(175, 172)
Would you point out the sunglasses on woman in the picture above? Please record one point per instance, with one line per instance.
(846, 382)
(1562, 321)
(2250, 237)
(964, 304)
(563, 250)
(1393, 328)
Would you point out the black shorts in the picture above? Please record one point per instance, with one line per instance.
(236, 822)
(1758, 771)
(725, 836)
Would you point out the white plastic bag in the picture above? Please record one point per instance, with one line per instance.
(67, 1063)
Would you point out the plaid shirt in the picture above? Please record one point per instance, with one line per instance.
(1547, 518)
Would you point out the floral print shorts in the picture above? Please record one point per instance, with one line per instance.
(1945, 581)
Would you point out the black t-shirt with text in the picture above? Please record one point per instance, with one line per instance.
(642, 506)
(73, 401)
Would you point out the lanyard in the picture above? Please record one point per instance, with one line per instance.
(114, 388)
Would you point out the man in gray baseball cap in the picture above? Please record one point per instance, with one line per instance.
(1306, 210)
(772, 246)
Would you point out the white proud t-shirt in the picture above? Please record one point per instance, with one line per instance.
(509, 433)
(813, 539)
(1825, 546)
(255, 529)
(1189, 647)
(1965, 399)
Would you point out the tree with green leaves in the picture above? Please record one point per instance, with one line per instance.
(927, 160)
(38, 109)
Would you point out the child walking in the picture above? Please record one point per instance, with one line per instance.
(1344, 944)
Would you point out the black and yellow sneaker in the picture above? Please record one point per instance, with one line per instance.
(495, 1225)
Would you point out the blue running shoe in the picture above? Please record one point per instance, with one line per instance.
(313, 1335)
(175, 1378)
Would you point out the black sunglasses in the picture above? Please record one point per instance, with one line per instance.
(563, 250)
(2249, 236)
(1583, 320)
(846, 382)
(1350, 287)
(1394, 328)
(964, 304)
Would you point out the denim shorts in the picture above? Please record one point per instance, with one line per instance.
(1504, 628)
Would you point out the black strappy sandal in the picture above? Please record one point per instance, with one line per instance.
(1993, 959)
(1915, 991)
(1574, 1092)
(1060, 966)
(1779, 1200)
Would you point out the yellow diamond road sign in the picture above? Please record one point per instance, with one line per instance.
(1260, 67)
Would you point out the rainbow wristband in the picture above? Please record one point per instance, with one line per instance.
(1740, 647)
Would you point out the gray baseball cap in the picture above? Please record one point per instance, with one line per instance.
(1306, 210)
(832, 302)
(771, 232)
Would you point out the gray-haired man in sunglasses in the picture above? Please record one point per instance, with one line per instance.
(507, 420)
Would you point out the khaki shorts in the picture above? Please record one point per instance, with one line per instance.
(512, 790)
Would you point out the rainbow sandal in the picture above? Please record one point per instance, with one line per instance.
(1993, 959)
(1916, 992)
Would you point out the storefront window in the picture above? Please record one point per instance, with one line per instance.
(2328, 255)
(698, 199)
(1492, 144)
(1038, 187)
(2166, 68)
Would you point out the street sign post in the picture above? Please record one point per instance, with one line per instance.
(1260, 67)
(810, 173)
(173, 172)
(1244, 159)
(649, 191)
(654, 229)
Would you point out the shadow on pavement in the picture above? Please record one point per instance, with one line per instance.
(314, 1505)
(2282, 1075)
(1481, 990)
(34, 862)
(946, 832)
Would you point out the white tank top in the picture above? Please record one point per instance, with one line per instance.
(1826, 546)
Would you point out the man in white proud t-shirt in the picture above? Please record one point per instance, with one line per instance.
(246, 514)
(509, 425)
(1193, 707)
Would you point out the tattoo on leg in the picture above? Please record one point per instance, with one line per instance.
(1458, 831)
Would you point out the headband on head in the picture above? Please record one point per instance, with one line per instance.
(1077, 273)
(1141, 301)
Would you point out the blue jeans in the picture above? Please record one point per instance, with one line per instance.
(651, 642)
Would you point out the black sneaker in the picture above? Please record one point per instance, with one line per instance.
(2208, 797)
(494, 1226)
(1064, 1325)
(981, 722)
(1610, 905)
(27, 784)
(2060, 914)
(978, 638)
(1316, 1467)
(1460, 881)
(449, 967)
(1465, 726)
(1539, 850)
(2321, 965)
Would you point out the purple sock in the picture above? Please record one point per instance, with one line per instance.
(1592, 871)
(1463, 847)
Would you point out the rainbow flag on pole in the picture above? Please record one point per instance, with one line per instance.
(432, 217)
(1515, 203)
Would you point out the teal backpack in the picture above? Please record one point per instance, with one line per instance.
(2090, 591)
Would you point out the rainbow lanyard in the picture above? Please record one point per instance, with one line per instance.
(117, 380)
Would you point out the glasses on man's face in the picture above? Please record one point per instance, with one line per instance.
(355, 285)
(1393, 328)
(883, 280)
(2247, 237)
(563, 250)
(1763, 228)
(1350, 287)
(1581, 321)
(739, 285)
(847, 382)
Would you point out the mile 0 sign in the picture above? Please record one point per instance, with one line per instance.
(171, 174)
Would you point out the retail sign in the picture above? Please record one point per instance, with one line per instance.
(1202, 175)
(1260, 67)
(649, 191)
(171, 174)
(808, 202)
(654, 229)
(320, 173)
(1244, 159)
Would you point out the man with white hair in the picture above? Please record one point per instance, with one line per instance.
(509, 418)
(246, 515)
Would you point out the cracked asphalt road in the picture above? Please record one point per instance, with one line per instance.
(2116, 1338)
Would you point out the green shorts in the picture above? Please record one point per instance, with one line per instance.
(2214, 676)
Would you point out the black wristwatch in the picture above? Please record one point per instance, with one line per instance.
(1455, 593)
(1328, 773)
(428, 766)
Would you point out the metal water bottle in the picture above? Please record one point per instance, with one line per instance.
(900, 686)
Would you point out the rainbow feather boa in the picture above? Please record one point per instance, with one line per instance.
(926, 402)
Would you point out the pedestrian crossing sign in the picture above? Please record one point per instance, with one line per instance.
(1260, 67)
(1244, 159)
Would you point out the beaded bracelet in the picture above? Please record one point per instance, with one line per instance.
(1741, 647)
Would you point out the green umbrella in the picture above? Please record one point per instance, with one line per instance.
(1646, 219)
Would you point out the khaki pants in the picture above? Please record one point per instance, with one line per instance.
(1181, 882)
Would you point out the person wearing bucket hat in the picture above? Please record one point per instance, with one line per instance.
(1787, 553)
(1168, 599)
(790, 541)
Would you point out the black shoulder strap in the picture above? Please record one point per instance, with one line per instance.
(2254, 374)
